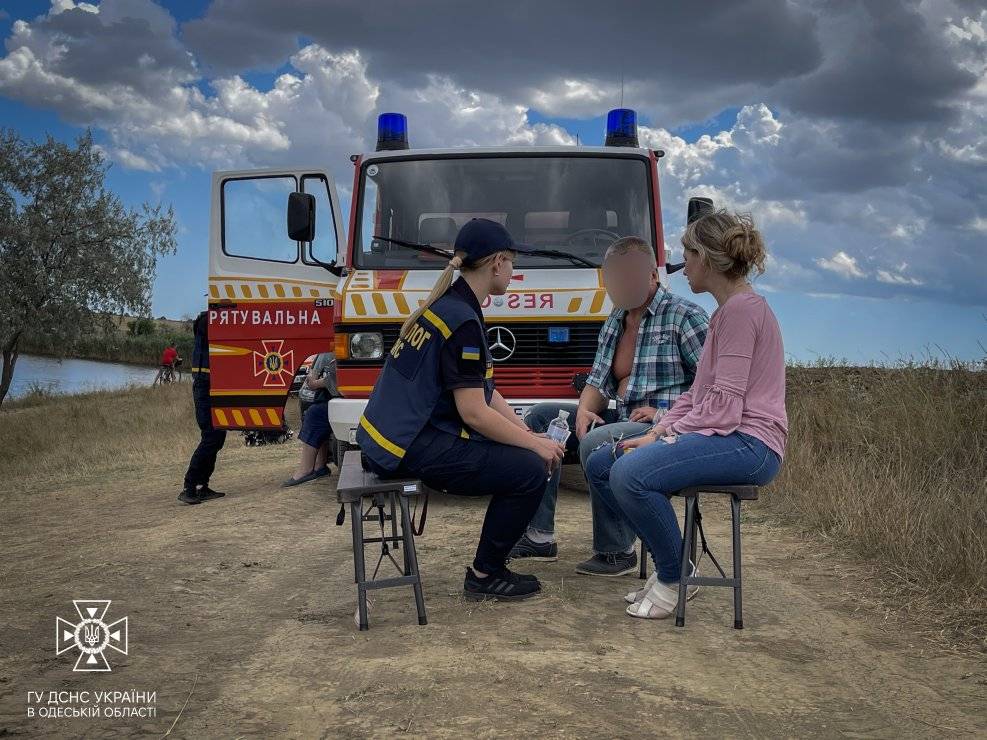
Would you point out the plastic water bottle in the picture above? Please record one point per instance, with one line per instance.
(661, 410)
(558, 431)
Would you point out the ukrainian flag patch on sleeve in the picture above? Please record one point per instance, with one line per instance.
(471, 353)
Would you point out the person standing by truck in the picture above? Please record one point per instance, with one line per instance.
(203, 462)
(436, 415)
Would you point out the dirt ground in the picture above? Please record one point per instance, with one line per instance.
(250, 600)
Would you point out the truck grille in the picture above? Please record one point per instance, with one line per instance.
(536, 382)
(532, 348)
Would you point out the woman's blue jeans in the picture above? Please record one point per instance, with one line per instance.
(638, 484)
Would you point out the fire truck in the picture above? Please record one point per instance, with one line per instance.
(278, 295)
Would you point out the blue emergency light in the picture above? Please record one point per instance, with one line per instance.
(558, 334)
(392, 131)
(621, 127)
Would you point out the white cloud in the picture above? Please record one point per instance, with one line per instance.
(908, 229)
(443, 114)
(842, 264)
(757, 124)
(885, 276)
(133, 161)
(60, 6)
(320, 111)
(573, 98)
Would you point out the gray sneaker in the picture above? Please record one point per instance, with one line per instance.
(613, 564)
(526, 548)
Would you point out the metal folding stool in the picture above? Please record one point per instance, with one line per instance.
(357, 486)
(693, 525)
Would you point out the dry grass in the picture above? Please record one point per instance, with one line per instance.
(886, 464)
(891, 464)
(93, 434)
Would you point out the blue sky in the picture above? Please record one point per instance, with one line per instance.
(874, 211)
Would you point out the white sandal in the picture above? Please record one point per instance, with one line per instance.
(658, 602)
(632, 596)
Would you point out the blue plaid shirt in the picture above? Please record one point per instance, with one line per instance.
(667, 352)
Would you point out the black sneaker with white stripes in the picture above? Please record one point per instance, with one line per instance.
(504, 585)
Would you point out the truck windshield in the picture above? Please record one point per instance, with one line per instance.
(575, 204)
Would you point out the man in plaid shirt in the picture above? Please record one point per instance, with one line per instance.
(647, 358)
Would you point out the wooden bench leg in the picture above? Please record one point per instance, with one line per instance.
(356, 517)
(688, 546)
(738, 607)
(412, 558)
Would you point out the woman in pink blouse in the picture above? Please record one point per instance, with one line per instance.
(730, 428)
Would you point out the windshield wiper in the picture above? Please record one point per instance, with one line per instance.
(429, 249)
(562, 255)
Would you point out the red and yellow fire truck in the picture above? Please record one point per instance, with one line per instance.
(277, 296)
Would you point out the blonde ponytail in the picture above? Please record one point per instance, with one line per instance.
(441, 286)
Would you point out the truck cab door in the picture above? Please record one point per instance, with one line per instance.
(270, 302)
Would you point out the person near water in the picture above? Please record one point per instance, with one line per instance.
(170, 355)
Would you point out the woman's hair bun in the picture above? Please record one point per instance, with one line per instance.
(728, 242)
(742, 242)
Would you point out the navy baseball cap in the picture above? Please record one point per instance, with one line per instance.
(481, 237)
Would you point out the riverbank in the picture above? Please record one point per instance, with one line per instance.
(241, 609)
(39, 378)
(144, 349)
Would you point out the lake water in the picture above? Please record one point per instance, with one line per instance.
(75, 376)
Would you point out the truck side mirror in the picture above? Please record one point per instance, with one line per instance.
(301, 217)
(698, 207)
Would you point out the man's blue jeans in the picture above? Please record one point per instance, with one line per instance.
(611, 532)
(638, 484)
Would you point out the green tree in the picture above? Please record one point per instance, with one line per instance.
(141, 327)
(71, 253)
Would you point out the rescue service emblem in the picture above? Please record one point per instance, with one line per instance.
(277, 367)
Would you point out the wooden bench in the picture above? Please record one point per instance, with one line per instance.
(357, 486)
(693, 525)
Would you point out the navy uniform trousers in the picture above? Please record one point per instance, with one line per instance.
(514, 477)
(203, 460)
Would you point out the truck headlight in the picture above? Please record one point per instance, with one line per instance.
(368, 345)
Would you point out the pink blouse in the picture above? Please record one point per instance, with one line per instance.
(740, 381)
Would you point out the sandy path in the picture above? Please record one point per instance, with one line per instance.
(254, 595)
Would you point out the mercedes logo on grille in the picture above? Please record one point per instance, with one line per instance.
(502, 343)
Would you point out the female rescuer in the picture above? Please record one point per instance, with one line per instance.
(435, 414)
